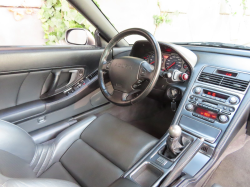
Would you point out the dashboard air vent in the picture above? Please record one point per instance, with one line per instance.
(92, 75)
(210, 78)
(228, 82)
(235, 84)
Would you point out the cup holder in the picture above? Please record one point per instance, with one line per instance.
(147, 175)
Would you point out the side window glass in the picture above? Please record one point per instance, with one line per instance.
(38, 22)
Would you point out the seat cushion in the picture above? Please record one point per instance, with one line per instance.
(57, 171)
(88, 167)
(15, 167)
(118, 141)
(106, 148)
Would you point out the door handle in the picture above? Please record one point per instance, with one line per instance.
(56, 77)
(75, 74)
(73, 77)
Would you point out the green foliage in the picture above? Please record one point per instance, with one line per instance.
(242, 3)
(57, 16)
(159, 19)
(96, 3)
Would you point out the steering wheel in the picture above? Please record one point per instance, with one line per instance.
(127, 72)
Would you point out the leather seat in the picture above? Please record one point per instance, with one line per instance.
(93, 152)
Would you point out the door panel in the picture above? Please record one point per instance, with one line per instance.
(41, 81)
(31, 87)
(78, 107)
(10, 85)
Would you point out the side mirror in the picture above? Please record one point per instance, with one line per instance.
(78, 36)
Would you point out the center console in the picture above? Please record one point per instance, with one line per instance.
(207, 110)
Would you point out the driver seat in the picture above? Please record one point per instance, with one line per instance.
(93, 152)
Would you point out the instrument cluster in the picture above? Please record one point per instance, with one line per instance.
(170, 60)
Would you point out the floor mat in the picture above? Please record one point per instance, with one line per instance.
(158, 124)
(148, 115)
(234, 170)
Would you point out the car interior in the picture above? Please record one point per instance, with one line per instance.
(109, 114)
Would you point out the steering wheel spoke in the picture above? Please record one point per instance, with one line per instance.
(106, 66)
(129, 96)
(146, 71)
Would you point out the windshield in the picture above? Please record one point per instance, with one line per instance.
(226, 21)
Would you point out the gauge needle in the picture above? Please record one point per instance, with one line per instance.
(152, 62)
(171, 66)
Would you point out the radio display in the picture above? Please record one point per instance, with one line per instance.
(206, 113)
(230, 74)
(214, 94)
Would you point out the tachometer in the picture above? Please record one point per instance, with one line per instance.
(173, 62)
(151, 58)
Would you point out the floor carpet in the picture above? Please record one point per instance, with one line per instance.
(148, 115)
(234, 170)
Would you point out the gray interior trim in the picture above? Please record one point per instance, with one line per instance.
(22, 111)
(51, 131)
(199, 129)
(41, 59)
(62, 142)
(81, 106)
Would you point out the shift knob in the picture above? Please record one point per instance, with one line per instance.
(174, 131)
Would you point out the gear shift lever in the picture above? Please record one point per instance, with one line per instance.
(174, 142)
(174, 131)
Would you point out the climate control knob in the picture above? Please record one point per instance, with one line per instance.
(197, 90)
(223, 118)
(233, 100)
(190, 107)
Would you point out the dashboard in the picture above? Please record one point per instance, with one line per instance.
(176, 67)
(214, 105)
(171, 56)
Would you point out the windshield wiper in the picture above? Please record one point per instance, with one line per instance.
(214, 44)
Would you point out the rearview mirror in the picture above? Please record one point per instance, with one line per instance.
(78, 36)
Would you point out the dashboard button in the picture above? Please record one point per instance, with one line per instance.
(223, 118)
(231, 109)
(225, 112)
(194, 114)
(190, 107)
(211, 120)
(233, 100)
(197, 90)
(223, 100)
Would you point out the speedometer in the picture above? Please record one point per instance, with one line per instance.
(173, 62)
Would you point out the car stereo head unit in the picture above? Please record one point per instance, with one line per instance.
(211, 105)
